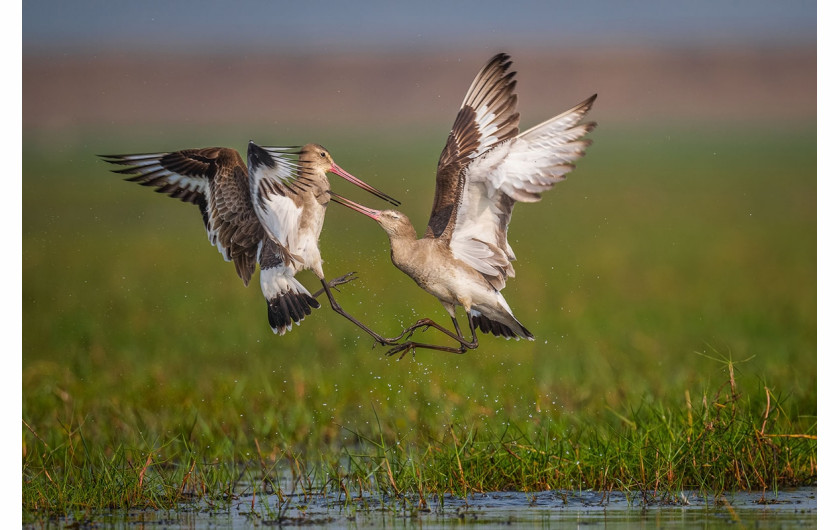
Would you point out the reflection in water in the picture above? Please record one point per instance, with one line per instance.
(501, 509)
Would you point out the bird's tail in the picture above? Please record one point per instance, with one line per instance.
(287, 299)
(509, 329)
(497, 318)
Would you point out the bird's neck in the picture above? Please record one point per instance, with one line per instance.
(404, 245)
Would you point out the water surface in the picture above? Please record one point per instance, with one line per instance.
(551, 509)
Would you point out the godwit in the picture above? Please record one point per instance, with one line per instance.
(464, 257)
(290, 199)
(272, 212)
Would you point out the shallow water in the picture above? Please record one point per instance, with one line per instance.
(552, 509)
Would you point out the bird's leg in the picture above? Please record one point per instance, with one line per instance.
(406, 347)
(409, 331)
(429, 323)
(473, 344)
(338, 309)
(464, 345)
(341, 280)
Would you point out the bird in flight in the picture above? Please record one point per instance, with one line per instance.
(487, 165)
(270, 212)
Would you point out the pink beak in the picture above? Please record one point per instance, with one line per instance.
(367, 187)
(364, 210)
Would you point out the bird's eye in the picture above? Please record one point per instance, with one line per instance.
(323, 154)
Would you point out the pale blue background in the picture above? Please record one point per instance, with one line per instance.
(90, 26)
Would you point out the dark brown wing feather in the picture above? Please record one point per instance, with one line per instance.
(216, 180)
(463, 140)
(487, 116)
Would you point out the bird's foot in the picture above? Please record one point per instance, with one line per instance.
(406, 334)
(385, 341)
(424, 323)
(405, 347)
(347, 278)
(341, 280)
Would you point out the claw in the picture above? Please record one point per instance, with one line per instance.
(424, 323)
(404, 347)
(347, 278)
(335, 282)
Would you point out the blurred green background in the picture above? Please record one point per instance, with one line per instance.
(658, 248)
(685, 238)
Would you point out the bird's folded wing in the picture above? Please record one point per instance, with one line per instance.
(274, 174)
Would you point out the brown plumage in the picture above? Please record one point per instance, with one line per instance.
(492, 92)
(216, 180)
(270, 211)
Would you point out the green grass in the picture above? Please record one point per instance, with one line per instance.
(670, 282)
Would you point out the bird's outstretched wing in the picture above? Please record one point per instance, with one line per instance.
(487, 116)
(215, 179)
(516, 170)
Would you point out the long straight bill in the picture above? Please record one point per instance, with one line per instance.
(365, 186)
(364, 210)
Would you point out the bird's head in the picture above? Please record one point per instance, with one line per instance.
(393, 222)
(315, 159)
